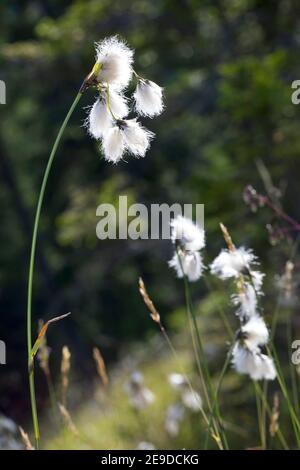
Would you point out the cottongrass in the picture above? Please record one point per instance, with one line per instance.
(174, 416)
(148, 98)
(140, 397)
(188, 239)
(253, 363)
(189, 397)
(237, 264)
(106, 121)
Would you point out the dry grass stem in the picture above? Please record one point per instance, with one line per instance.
(65, 369)
(100, 365)
(274, 419)
(25, 439)
(153, 312)
(227, 237)
(68, 420)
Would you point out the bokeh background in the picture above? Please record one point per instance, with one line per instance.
(227, 68)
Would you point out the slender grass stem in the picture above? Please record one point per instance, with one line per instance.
(220, 310)
(220, 381)
(201, 363)
(264, 411)
(176, 357)
(215, 410)
(289, 334)
(260, 417)
(269, 411)
(282, 383)
(32, 264)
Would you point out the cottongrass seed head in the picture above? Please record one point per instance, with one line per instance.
(246, 300)
(230, 264)
(174, 416)
(115, 60)
(253, 363)
(126, 136)
(139, 396)
(105, 122)
(189, 397)
(188, 235)
(148, 98)
(188, 239)
(254, 333)
(100, 118)
(187, 264)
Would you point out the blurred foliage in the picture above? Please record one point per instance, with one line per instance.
(227, 68)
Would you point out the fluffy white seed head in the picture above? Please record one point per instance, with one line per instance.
(232, 263)
(257, 280)
(253, 363)
(148, 98)
(246, 300)
(139, 396)
(99, 119)
(177, 381)
(113, 144)
(137, 137)
(191, 400)
(190, 264)
(189, 235)
(174, 415)
(117, 103)
(255, 333)
(110, 103)
(115, 59)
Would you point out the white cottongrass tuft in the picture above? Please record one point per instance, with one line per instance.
(139, 396)
(187, 264)
(126, 135)
(148, 98)
(253, 363)
(230, 264)
(187, 234)
(246, 300)
(188, 239)
(254, 333)
(113, 144)
(177, 381)
(100, 116)
(174, 415)
(115, 60)
(117, 103)
(137, 137)
(99, 119)
(191, 400)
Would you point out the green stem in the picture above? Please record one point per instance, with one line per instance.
(200, 360)
(281, 381)
(289, 332)
(269, 411)
(32, 263)
(220, 310)
(259, 417)
(220, 381)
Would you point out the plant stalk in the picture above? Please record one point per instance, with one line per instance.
(32, 264)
